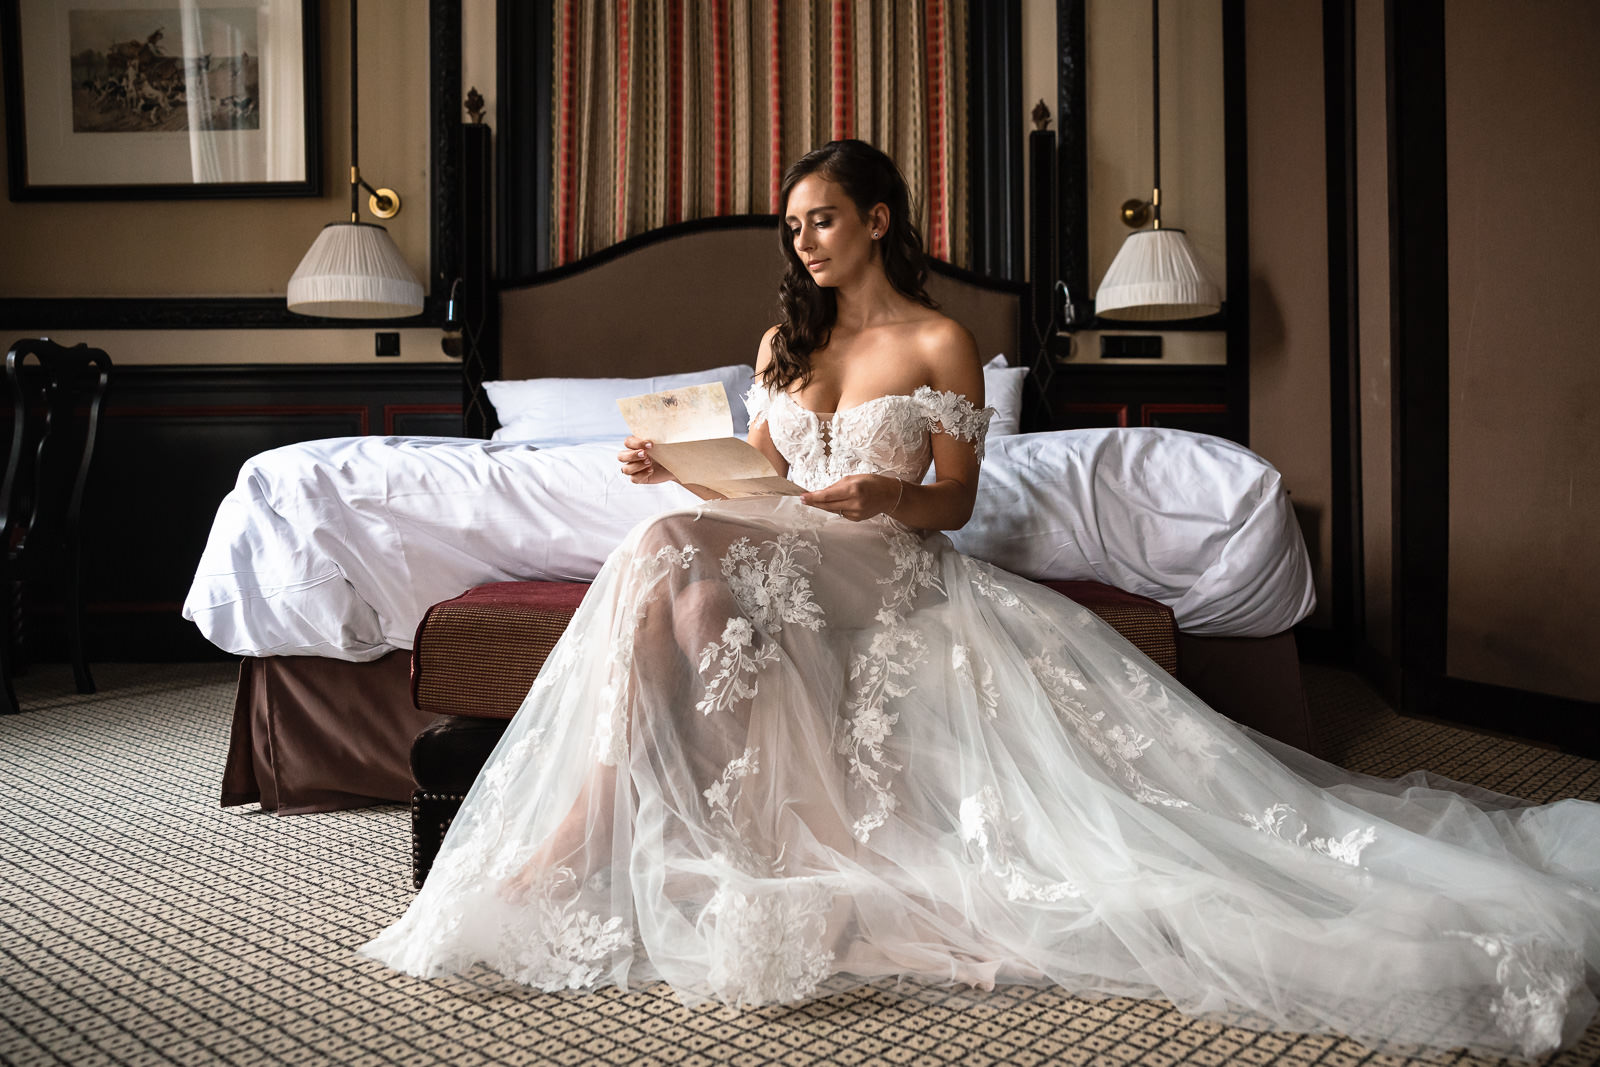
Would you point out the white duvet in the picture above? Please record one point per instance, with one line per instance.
(336, 548)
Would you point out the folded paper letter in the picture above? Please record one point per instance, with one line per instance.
(691, 436)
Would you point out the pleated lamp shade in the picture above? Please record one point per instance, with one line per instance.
(354, 271)
(1156, 277)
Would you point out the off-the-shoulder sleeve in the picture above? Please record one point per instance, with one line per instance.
(756, 402)
(953, 414)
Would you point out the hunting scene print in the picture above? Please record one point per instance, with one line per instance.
(165, 71)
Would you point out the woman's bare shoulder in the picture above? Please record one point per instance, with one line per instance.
(764, 350)
(947, 348)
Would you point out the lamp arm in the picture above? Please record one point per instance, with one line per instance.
(379, 193)
(1155, 68)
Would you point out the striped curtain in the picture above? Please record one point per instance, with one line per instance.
(667, 110)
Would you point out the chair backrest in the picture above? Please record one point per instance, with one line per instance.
(56, 394)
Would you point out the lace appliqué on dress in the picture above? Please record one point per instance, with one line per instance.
(766, 946)
(983, 826)
(1537, 980)
(1117, 746)
(572, 942)
(894, 652)
(953, 414)
(721, 796)
(479, 848)
(1278, 819)
(610, 729)
(777, 589)
(979, 679)
(889, 434)
(737, 666)
(981, 577)
(756, 401)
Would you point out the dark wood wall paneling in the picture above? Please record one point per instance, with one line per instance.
(1344, 356)
(173, 438)
(1419, 310)
(1412, 673)
(171, 444)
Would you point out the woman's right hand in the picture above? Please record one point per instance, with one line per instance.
(636, 464)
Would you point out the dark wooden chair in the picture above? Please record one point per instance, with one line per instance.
(55, 398)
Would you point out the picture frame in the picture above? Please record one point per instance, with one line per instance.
(161, 99)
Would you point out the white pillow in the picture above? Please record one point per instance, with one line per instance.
(1002, 390)
(567, 411)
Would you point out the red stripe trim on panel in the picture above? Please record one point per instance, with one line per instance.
(1119, 410)
(775, 104)
(719, 109)
(1149, 411)
(675, 77)
(938, 238)
(843, 107)
(566, 202)
(393, 411)
(624, 73)
(233, 411)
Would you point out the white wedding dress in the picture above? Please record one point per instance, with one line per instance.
(778, 749)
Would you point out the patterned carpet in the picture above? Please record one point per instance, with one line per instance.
(142, 924)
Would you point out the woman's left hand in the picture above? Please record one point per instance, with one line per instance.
(859, 496)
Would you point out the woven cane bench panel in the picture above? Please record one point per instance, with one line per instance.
(1148, 624)
(1150, 632)
(481, 661)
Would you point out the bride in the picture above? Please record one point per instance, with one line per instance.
(790, 741)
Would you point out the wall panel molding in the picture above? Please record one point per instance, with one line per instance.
(172, 442)
(1419, 349)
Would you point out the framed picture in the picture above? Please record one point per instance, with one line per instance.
(161, 99)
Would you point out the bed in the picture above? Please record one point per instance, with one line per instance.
(325, 556)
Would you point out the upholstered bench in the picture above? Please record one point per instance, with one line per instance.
(475, 658)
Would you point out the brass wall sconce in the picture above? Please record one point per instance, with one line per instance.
(353, 269)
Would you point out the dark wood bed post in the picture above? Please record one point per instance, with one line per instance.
(477, 305)
(1045, 310)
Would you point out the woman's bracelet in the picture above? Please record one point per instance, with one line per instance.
(898, 497)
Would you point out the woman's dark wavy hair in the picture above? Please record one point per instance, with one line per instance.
(808, 310)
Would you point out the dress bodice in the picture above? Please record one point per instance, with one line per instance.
(889, 434)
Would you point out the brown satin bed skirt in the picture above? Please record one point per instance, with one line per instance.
(312, 734)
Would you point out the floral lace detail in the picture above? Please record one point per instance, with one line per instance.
(572, 942)
(1117, 745)
(1537, 979)
(756, 401)
(481, 849)
(983, 826)
(981, 576)
(766, 947)
(735, 661)
(1276, 822)
(721, 796)
(775, 590)
(894, 652)
(1185, 732)
(610, 733)
(953, 414)
(888, 434)
(980, 681)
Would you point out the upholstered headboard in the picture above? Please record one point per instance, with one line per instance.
(696, 295)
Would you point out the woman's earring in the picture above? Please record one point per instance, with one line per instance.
(874, 235)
